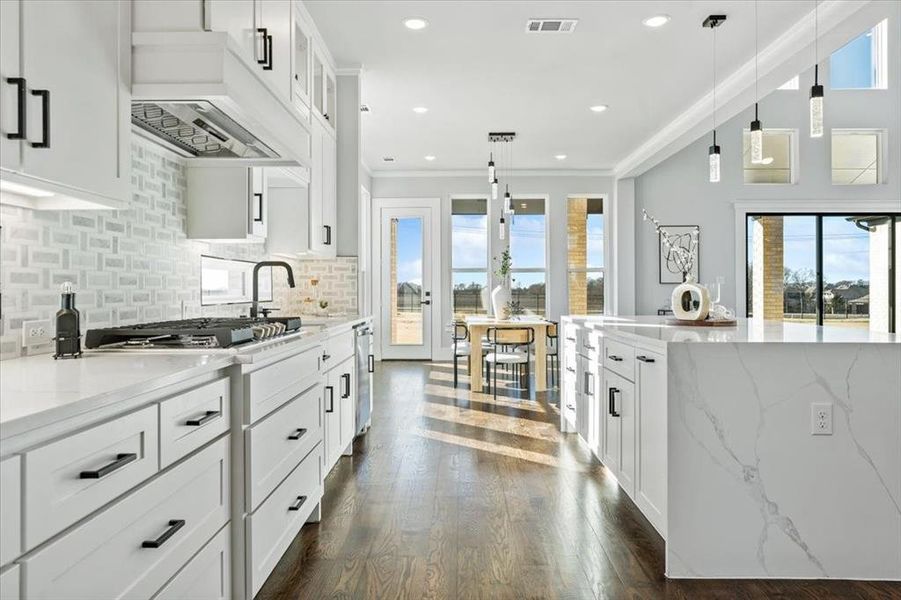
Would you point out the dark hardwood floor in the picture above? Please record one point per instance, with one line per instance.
(451, 495)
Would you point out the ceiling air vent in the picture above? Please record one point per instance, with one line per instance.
(551, 25)
(388, 159)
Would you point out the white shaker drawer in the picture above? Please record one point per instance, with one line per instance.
(190, 420)
(277, 443)
(72, 477)
(339, 347)
(207, 576)
(9, 583)
(620, 358)
(273, 526)
(10, 509)
(136, 545)
(270, 387)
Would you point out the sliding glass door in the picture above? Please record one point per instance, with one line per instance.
(824, 269)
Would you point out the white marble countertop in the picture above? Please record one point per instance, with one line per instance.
(656, 329)
(36, 391)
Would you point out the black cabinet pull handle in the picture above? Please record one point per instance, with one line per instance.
(121, 461)
(571, 406)
(45, 118)
(298, 503)
(331, 398)
(174, 525)
(298, 433)
(325, 357)
(21, 121)
(328, 235)
(372, 363)
(265, 59)
(345, 379)
(645, 359)
(570, 339)
(206, 418)
(611, 408)
(258, 212)
(615, 358)
(268, 66)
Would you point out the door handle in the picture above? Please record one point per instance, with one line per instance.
(174, 525)
(372, 363)
(209, 416)
(426, 302)
(45, 118)
(331, 399)
(121, 461)
(21, 122)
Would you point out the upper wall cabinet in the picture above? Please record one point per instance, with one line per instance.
(276, 28)
(324, 89)
(227, 204)
(323, 191)
(64, 114)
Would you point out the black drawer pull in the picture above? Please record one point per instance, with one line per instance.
(372, 363)
(325, 357)
(206, 418)
(258, 208)
(615, 358)
(612, 402)
(45, 119)
(121, 461)
(571, 406)
(174, 525)
(331, 398)
(328, 235)
(570, 339)
(268, 65)
(298, 433)
(265, 60)
(298, 503)
(570, 369)
(645, 359)
(21, 122)
(346, 382)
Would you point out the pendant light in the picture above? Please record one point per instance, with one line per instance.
(491, 177)
(816, 90)
(756, 128)
(502, 232)
(494, 189)
(714, 21)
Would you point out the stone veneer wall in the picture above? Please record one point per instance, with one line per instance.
(768, 272)
(133, 265)
(577, 242)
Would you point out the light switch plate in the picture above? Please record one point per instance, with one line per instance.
(821, 418)
(36, 333)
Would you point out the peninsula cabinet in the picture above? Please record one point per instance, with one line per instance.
(65, 115)
(650, 468)
(619, 430)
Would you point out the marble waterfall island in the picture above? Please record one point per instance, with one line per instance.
(751, 491)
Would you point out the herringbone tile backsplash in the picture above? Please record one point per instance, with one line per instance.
(135, 265)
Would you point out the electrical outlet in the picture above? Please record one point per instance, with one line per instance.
(36, 333)
(821, 418)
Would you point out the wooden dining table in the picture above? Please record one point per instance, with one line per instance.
(478, 326)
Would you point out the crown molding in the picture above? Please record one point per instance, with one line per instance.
(483, 172)
(790, 54)
(353, 69)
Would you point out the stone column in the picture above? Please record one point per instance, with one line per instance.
(767, 268)
(577, 250)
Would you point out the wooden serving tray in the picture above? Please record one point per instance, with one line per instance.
(704, 323)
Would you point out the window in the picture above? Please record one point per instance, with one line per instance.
(852, 252)
(528, 235)
(585, 255)
(777, 165)
(856, 156)
(469, 256)
(862, 63)
(792, 84)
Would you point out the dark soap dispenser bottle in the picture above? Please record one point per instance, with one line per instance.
(68, 325)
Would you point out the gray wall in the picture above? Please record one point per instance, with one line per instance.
(556, 188)
(677, 191)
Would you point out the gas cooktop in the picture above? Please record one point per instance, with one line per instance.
(192, 333)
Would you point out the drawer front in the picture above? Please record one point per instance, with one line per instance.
(591, 345)
(620, 358)
(9, 584)
(273, 526)
(207, 576)
(277, 443)
(107, 557)
(10, 509)
(272, 386)
(190, 420)
(339, 347)
(70, 478)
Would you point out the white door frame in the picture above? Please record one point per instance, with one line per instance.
(434, 208)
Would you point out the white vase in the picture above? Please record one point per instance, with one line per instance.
(500, 295)
(690, 301)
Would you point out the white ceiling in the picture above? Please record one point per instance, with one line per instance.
(477, 71)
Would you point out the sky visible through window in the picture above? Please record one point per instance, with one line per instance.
(846, 248)
(851, 66)
(409, 250)
(527, 234)
(469, 241)
(595, 241)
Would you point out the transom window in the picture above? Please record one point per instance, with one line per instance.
(857, 156)
(777, 165)
(585, 255)
(469, 256)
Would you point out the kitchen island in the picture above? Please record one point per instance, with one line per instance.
(768, 449)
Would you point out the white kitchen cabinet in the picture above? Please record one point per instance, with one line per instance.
(75, 147)
(237, 18)
(207, 576)
(302, 65)
(227, 203)
(10, 509)
(274, 16)
(650, 473)
(323, 192)
(348, 402)
(619, 430)
(10, 587)
(582, 420)
(288, 207)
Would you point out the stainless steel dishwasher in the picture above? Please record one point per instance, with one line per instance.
(365, 366)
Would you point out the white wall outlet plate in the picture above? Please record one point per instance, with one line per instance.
(36, 333)
(821, 418)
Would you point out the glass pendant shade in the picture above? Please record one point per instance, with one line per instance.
(714, 162)
(502, 231)
(491, 177)
(508, 203)
(816, 106)
(756, 142)
(494, 189)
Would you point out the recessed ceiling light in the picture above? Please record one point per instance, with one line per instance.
(656, 21)
(560, 156)
(429, 157)
(420, 110)
(598, 108)
(416, 23)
